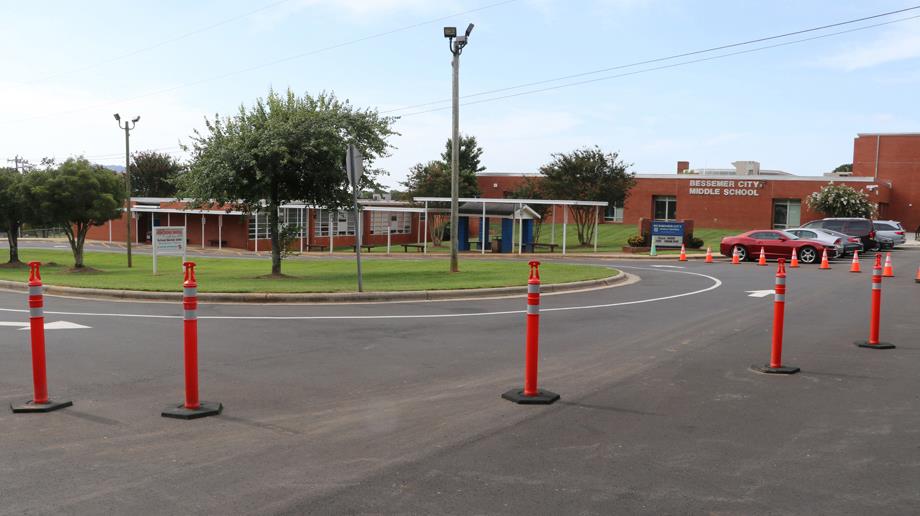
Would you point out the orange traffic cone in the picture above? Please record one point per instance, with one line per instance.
(683, 253)
(736, 260)
(917, 279)
(794, 262)
(708, 255)
(854, 267)
(763, 258)
(824, 263)
(888, 271)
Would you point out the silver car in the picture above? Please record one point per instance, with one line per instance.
(837, 243)
(889, 233)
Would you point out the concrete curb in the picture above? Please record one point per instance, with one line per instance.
(331, 297)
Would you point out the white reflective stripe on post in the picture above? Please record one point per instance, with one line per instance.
(876, 286)
(190, 291)
(36, 312)
(533, 289)
(780, 298)
(780, 281)
(36, 290)
(533, 309)
(191, 315)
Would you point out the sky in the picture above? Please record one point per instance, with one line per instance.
(70, 65)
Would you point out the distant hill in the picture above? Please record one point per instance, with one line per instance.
(116, 168)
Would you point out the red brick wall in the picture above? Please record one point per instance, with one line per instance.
(899, 163)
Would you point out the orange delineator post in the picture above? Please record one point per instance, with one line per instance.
(40, 401)
(876, 310)
(794, 262)
(779, 306)
(917, 278)
(531, 395)
(193, 408)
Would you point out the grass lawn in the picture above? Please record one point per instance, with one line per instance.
(610, 238)
(314, 275)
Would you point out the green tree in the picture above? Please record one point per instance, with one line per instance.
(587, 174)
(284, 148)
(846, 167)
(76, 195)
(841, 201)
(470, 156)
(153, 174)
(12, 209)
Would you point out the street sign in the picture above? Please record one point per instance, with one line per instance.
(169, 239)
(354, 165)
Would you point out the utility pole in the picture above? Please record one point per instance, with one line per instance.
(456, 48)
(128, 126)
(19, 162)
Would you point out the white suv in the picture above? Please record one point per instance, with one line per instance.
(889, 233)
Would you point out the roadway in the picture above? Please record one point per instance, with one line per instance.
(394, 408)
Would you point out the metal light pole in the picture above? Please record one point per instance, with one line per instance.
(128, 126)
(456, 48)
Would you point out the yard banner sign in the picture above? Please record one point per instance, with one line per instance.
(168, 239)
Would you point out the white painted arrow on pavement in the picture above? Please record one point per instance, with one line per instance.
(759, 293)
(56, 325)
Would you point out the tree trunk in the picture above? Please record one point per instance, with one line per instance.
(12, 235)
(76, 247)
(273, 223)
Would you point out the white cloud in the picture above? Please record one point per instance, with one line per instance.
(894, 45)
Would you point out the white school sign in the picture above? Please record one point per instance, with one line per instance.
(168, 239)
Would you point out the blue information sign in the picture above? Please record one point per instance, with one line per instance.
(667, 234)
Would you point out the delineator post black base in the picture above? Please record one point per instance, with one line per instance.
(775, 370)
(207, 408)
(541, 398)
(30, 407)
(880, 345)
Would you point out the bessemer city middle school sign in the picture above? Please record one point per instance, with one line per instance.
(726, 187)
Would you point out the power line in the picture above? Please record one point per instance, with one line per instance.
(159, 44)
(270, 63)
(666, 58)
(663, 67)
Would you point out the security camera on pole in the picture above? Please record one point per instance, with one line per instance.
(456, 48)
(128, 126)
(354, 166)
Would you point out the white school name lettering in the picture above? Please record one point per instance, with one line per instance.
(726, 187)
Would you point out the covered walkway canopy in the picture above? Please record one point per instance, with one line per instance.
(516, 210)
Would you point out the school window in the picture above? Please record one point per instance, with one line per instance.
(787, 213)
(665, 207)
(614, 212)
(400, 223)
(286, 216)
(342, 222)
(258, 225)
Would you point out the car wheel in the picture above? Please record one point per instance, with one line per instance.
(741, 252)
(808, 254)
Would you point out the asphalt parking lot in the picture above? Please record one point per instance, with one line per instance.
(396, 409)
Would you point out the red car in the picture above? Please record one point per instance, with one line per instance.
(776, 244)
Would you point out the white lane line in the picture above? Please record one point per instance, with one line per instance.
(716, 283)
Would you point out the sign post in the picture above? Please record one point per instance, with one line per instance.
(168, 239)
(354, 167)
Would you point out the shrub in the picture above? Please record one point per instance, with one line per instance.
(636, 241)
(695, 243)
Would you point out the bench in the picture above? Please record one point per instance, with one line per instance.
(315, 247)
(215, 243)
(366, 247)
(551, 247)
(418, 247)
